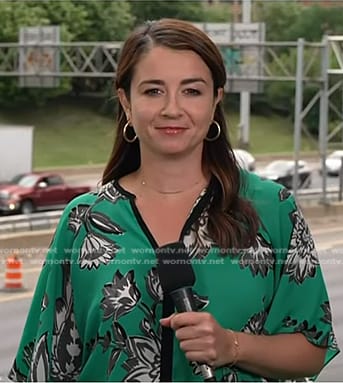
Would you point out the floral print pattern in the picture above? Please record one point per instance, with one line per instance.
(66, 343)
(39, 369)
(144, 356)
(256, 323)
(63, 362)
(154, 288)
(143, 352)
(310, 331)
(259, 258)
(197, 240)
(96, 250)
(284, 194)
(120, 296)
(302, 258)
(330, 340)
(230, 376)
(122, 337)
(110, 193)
(77, 217)
(15, 374)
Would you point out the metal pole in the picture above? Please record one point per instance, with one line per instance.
(340, 189)
(235, 11)
(244, 124)
(323, 117)
(297, 112)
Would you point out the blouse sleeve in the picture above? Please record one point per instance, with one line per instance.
(50, 348)
(300, 302)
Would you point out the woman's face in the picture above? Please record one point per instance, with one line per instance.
(171, 102)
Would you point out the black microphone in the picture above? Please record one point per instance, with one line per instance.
(177, 279)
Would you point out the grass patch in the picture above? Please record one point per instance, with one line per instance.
(73, 132)
(66, 133)
(272, 134)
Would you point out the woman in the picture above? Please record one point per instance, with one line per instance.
(99, 313)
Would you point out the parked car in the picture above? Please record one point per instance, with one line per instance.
(12, 181)
(37, 191)
(333, 163)
(282, 171)
(245, 159)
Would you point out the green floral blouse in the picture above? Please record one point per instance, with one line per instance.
(96, 309)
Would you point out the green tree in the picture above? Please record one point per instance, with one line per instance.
(289, 20)
(105, 20)
(217, 13)
(326, 21)
(15, 14)
(156, 9)
(91, 20)
(79, 20)
(279, 16)
(71, 18)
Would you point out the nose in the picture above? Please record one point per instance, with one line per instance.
(171, 107)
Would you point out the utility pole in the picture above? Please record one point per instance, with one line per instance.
(244, 124)
(236, 11)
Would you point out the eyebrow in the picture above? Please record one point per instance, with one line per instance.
(183, 82)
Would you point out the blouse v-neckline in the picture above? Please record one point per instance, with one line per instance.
(195, 212)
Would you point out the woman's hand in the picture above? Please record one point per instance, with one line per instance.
(201, 338)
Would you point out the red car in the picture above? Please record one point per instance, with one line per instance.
(29, 192)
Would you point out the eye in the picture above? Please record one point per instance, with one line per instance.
(192, 91)
(153, 92)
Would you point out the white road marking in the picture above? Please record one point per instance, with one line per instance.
(33, 233)
(10, 297)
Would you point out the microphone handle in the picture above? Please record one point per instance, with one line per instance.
(184, 302)
(183, 299)
(207, 373)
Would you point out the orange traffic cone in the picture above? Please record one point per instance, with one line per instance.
(14, 274)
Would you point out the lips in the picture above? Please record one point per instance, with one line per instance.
(171, 129)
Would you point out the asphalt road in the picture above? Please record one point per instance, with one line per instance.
(329, 240)
(93, 176)
(330, 245)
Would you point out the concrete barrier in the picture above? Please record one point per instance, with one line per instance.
(308, 200)
(318, 210)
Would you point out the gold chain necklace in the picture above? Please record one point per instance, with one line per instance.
(145, 184)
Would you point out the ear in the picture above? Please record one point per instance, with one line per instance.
(220, 95)
(124, 102)
(218, 98)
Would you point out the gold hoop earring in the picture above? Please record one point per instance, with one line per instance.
(126, 138)
(210, 139)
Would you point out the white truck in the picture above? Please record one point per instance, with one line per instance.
(16, 150)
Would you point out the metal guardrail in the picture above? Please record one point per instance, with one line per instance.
(29, 222)
(49, 219)
(316, 193)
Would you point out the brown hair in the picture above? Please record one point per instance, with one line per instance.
(232, 222)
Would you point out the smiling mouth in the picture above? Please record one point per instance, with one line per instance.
(171, 129)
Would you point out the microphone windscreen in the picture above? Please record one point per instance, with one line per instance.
(174, 267)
